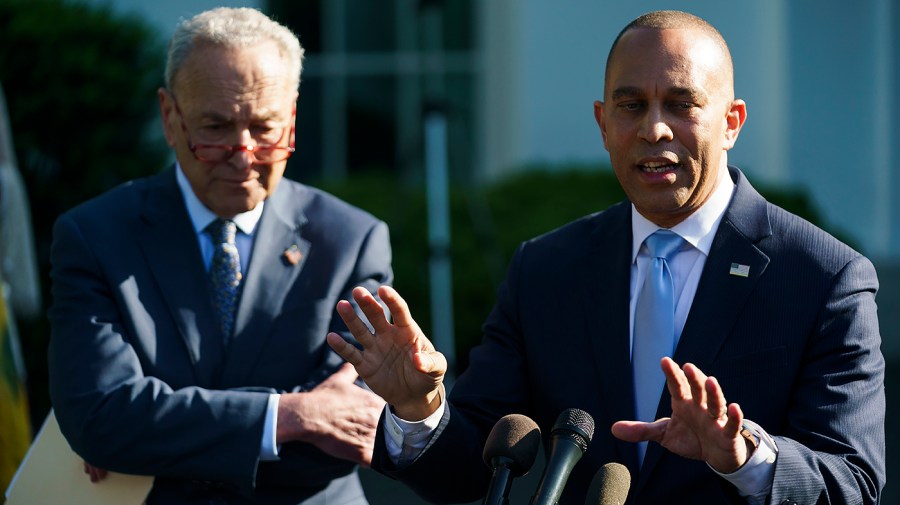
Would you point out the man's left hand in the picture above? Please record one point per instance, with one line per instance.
(703, 426)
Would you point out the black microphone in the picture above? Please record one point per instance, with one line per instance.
(570, 438)
(509, 451)
(610, 485)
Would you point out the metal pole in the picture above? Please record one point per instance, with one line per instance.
(437, 191)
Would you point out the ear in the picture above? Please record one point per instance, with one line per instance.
(294, 120)
(734, 120)
(601, 120)
(167, 114)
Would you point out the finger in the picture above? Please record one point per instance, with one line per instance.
(696, 380)
(372, 309)
(715, 399)
(345, 350)
(676, 382)
(735, 420)
(636, 431)
(397, 305)
(346, 373)
(356, 326)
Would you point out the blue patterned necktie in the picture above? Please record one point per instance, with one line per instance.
(654, 327)
(224, 273)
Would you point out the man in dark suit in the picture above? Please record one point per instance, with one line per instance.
(199, 356)
(761, 306)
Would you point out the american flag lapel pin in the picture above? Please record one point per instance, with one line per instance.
(293, 254)
(740, 270)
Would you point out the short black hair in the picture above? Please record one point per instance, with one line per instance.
(665, 20)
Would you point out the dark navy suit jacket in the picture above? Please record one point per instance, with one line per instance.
(140, 380)
(795, 343)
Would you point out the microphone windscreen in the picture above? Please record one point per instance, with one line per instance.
(610, 485)
(578, 422)
(516, 438)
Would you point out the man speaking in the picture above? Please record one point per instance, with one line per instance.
(728, 351)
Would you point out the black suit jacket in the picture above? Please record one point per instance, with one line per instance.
(140, 380)
(795, 343)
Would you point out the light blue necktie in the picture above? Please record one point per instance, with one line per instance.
(224, 273)
(654, 327)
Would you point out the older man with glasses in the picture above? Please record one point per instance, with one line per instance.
(190, 308)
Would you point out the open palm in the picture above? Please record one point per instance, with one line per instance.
(398, 362)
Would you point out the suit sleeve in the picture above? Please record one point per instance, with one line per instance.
(98, 387)
(834, 451)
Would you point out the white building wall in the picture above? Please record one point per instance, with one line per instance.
(818, 78)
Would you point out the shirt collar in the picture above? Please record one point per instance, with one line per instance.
(698, 229)
(201, 216)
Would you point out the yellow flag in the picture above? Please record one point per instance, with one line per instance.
(15, 426)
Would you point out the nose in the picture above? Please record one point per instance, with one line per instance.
(244, 158)
(654, 127)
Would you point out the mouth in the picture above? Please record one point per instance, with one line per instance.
(658, 167)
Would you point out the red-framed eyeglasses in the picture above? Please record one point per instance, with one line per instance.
(220, 153)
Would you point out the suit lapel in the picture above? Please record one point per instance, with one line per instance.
(722, 291)
(606, 289)
(279, 253)
(173, 255)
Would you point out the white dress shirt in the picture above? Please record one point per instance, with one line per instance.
(246, 223)
(407, 440)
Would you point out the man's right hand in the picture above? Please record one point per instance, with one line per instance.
(397, 362)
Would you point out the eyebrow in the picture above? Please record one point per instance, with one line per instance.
(626, 92)
(229, 118)
(636, 92)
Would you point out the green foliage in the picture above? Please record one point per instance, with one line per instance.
(487, 224)
(80, 85)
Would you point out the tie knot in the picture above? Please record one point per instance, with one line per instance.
(663, 244)
(222, 231)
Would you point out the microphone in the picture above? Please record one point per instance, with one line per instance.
(509, 451)
(570, 438)
(610, 485)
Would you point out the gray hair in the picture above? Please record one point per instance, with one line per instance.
(232, 27)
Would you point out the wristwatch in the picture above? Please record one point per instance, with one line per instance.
(750, 437)
(755, 435)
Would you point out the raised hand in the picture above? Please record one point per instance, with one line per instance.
(398, 362)
(703, 426)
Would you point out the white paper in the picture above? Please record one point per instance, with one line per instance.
(52, 474)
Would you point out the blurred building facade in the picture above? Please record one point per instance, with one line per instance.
(516, 80)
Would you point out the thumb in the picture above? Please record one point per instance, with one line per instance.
(346, 373)
(432, 363)
(636, 431)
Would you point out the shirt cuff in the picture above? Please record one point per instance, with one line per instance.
(754, 479)
(268, 450)
(407, 440)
